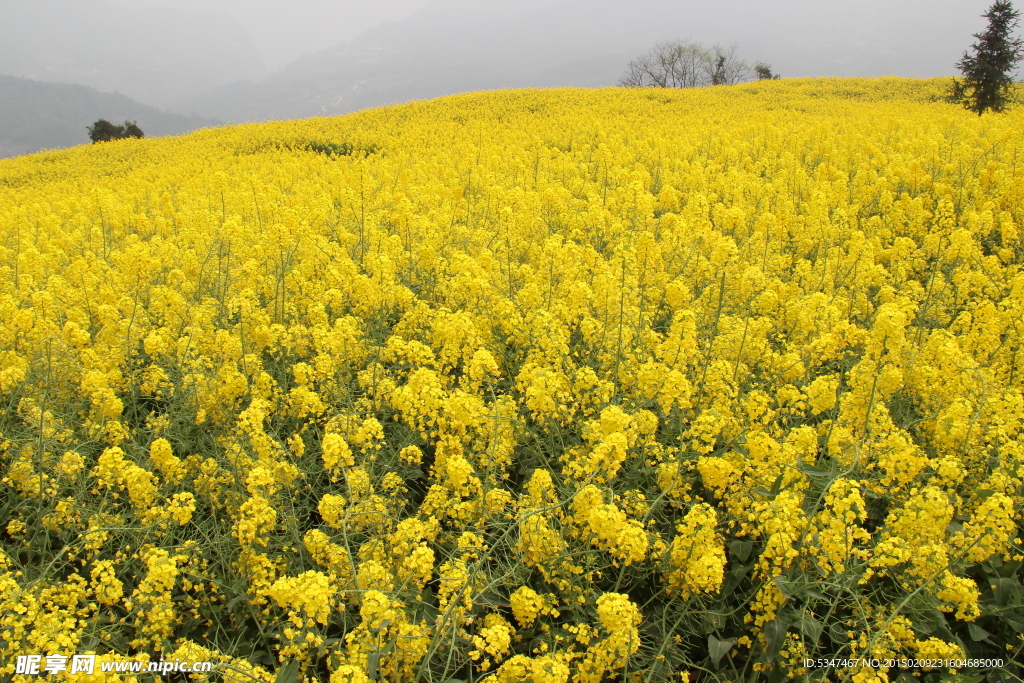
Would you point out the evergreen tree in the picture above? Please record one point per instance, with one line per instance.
(988, 73)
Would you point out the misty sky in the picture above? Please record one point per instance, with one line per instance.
(285, 30)
(231, 61)
(178, 65)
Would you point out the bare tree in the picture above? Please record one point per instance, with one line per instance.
(677, 64)
(727, 68)
(668, 65)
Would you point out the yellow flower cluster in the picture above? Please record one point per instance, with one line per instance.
(520, 385)
(608, 527)
(697, 554)
(619, 617)
(838, 526)
(528, 605)
(306, 597)
(152, 599)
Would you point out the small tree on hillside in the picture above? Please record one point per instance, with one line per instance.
(764, 72)
(988, 73)
(132, 130)
(668, 65)
(726, 68)
(105, 131)
(677, 64)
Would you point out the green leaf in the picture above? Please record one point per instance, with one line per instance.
(926, 621)
(787, 588)
(289, 673)
(236, 600)
(982, 494)
(812, 471)
(1004, 590)
(837, 631)
(741, 549)
(813, 594)
(426, 610)
(712, 621)
(1009, 569)
(775, 634)
(372, 662)
(717, 648)
(811, 627)
(734, 577)
(1014, 623)
(977, 632)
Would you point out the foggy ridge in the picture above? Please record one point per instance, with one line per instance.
(160, 56)
(36, 116)
(452, 46)
(200, 63)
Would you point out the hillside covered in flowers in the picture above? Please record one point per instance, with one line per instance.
(539, 385)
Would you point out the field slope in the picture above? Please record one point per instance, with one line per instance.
(35, 116)
(549, 385)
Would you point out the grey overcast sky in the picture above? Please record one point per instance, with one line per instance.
(168, 52)
(284, 30)
(287, 29)
(255, 60)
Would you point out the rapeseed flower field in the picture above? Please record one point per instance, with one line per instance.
(539, 385)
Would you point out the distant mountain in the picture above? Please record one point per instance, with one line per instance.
(36, 116)
(448, 46)
(154, 55)
(454, 46)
